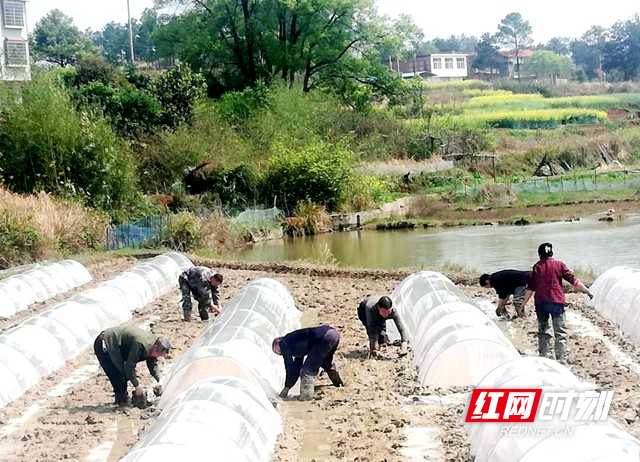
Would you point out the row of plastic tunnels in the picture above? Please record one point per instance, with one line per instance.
(230, 374)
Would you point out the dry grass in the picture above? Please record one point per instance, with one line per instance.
(424, 207)
(496, 194)
(37, 226)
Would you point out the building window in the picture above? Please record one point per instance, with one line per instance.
(16, 53)
(448, 63)
(460, 62)
(437, 63)
(13, 13)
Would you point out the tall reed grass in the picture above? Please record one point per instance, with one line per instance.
(33, 227)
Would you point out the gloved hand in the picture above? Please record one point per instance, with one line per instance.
(214, 309)
(157, 390)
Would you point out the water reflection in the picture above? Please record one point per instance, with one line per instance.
(586, 244)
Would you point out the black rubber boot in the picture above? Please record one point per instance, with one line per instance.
(123, 400)
(204, 314)
(335, 378)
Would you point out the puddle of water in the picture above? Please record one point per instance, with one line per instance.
(125, 430)
(422, 443)
(102, 452)
(582, 326)
(315, 440)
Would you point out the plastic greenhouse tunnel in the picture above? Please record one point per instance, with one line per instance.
(218, 395)
(444, 328)
(43, 343)
(19, 292)
(616, 295)
(578, 441)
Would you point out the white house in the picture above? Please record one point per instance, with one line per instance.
(437, 67)
(14, 59)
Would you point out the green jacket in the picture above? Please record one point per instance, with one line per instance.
(129, 345)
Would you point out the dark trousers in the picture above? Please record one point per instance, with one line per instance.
(379, 329)
(556, 312)
(117, 379)
(321, 355)
(203, 300)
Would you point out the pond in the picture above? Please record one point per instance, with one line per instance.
(588, 245)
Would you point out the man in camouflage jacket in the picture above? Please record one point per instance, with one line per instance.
(203, 283)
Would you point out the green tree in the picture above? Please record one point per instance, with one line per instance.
(457, 43)
(238, 43)
(515, 33)
(58, 40)
(587, 52)
(486, 54)
(547, 64)
(622, 52)
(559, 45)
(178, 90)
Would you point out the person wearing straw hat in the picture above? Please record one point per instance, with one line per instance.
(203, 283)
(304, 352)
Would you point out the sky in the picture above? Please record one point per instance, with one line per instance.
(439, 18)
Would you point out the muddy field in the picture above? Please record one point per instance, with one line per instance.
(69, 415)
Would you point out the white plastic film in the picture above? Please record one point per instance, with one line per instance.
(227, 376)
(454, 343)
(45, 342)
(617, 298)
(550, 439)
(38, 284)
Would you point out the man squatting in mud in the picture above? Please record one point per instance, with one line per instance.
(373, 312)
(203, 283)
(318, 345)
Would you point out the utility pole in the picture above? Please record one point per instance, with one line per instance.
(130, 34)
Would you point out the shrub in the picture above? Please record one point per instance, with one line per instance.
(19, 244)
(235, 107)
(319, 173)
(169, 156)
(47, 146)
(308, 219)
(183, 232)
(130, 111)
(179, 90)
(235, 187)
(186, 232)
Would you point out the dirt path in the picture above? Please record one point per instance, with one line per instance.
(370, 419)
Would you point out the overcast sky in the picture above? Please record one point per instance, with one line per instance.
(439, 18)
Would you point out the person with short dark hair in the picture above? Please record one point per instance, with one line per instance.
(304, 352)
(203, 283)
(546, 282)
(373, 313)
(120, 349)
(507, 283)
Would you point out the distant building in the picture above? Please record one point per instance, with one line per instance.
(437, 67)
(503, 64)
(14, 60)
